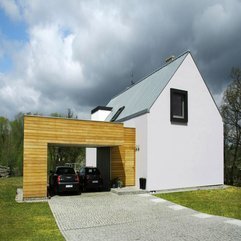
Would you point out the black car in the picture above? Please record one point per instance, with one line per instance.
(64, 179)
(90, 178)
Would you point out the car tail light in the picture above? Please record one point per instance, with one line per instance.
(77, 178)
(58, 179)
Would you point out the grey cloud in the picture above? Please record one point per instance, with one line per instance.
(112, 39)
(217, 42)
(157, 41)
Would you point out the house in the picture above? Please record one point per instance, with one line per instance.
(179, 130)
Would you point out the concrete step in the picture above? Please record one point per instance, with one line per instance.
(128, 191)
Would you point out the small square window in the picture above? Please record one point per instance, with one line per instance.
(179, 106)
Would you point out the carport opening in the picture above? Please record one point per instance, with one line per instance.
(66, 155)
(75, 156)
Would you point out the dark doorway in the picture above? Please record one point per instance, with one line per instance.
(103, 163)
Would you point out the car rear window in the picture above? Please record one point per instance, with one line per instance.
(94, 171)
(65, 170)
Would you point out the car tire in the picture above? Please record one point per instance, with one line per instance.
(78, 192)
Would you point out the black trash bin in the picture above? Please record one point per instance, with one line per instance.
(142, 183)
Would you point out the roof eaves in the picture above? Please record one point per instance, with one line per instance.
(133, 115)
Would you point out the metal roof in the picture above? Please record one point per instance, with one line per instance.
(139, 98)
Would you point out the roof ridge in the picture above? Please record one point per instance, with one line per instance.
(146, 76)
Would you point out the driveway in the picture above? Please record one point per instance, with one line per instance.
(108, 216)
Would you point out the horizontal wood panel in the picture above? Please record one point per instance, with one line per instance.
(35, 194)
(123, 159)
(37, 179)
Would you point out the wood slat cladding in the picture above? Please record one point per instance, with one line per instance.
(39, 132)
(123, 159)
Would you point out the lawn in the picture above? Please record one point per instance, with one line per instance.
(24, 221)
(222, 202)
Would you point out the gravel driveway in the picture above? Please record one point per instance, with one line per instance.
(107, 216)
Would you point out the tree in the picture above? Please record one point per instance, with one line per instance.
(16, 138)
(5, 148)
(231, 112)
(70, 114)
(11, 144)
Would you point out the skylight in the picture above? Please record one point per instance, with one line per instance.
(115, 116)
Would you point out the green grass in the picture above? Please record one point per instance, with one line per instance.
(222, 202)
(24, 221)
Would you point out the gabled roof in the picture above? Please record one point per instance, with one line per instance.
(139, 98)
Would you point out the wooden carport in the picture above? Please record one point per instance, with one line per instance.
(39, 132)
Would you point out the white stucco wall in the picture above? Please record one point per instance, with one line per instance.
(185, 155)
(140, 123)
(90, 156)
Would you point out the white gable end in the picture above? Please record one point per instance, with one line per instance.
(185, 155)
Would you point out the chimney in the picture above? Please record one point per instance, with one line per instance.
(170, 59)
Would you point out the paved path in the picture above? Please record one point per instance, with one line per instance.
(107, 216)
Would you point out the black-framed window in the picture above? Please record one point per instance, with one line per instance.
(179, 106)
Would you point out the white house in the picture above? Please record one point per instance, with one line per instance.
(179, 130)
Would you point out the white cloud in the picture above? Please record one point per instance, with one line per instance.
(11, 8)
(50, 56)
(218, 98)
(45, 73)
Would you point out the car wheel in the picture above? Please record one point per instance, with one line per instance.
(51, 192)
(78, 192)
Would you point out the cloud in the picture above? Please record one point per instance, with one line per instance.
(11, 8)
(81, 53)
(44, 72)
(217, 41)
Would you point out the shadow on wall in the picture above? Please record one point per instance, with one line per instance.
(103, 164)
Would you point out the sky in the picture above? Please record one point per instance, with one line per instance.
(78, 54)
